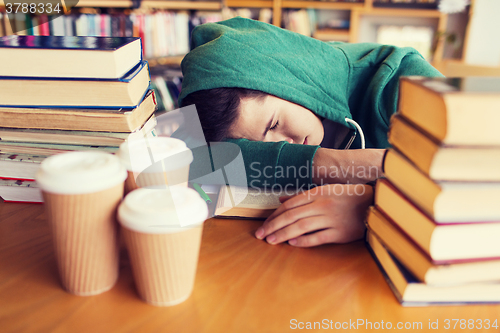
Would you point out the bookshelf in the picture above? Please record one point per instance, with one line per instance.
(171, 5)
(432, 17)
(358, 12)
(91, 10)
(164, 27)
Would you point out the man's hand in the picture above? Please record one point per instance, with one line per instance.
(326, 214)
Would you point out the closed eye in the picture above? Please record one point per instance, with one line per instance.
(274, 126)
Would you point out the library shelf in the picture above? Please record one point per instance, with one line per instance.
(174, 5)
(327, 34)
(249, 3)
(321, 4)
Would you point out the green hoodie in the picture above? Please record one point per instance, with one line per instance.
(333, 80)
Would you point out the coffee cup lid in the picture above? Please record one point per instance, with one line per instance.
(154, 154)
(161, 211)
(80, 172)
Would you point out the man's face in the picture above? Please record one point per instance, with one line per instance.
(273, 119)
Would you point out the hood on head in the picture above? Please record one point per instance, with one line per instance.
(245, 53)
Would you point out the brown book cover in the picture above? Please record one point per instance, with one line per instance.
(455, 111)
(443, 201)
(411, 292)
(444, 162)
(48, 92)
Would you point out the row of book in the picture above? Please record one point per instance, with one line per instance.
(164, 33)
(307, 22)
(95, 95)
(357, 1)
(435, 226)
(302, 21)
(420, 38)
(419, 4)
(167, 88)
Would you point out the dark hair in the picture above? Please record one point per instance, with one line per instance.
(218, 109)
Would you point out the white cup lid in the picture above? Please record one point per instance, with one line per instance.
(80, 172)
(156, 154)
(162, 211)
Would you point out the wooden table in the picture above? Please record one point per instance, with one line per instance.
(242, 285)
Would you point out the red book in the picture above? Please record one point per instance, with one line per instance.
(141, 26)
(44, 25)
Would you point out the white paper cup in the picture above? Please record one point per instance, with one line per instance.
(81, 191)
(156, 161)
(162, 230)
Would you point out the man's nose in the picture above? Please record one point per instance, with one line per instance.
(284, 137)
(276, 137)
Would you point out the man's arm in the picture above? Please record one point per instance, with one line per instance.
(358, 166)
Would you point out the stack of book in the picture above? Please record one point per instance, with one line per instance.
(435, 227)
(60, 94)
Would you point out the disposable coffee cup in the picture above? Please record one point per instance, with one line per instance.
(156, 161)
(162, 229)
(82, 191)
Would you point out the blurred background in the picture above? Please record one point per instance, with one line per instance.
(458, 37)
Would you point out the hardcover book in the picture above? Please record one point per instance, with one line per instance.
(443, 201)
(242, 202)
(442, 162)
(411, 292)
(15, 190)
(127, 91)
(48, 149)
(68, 137)
(248, 202)
(89, 119)
(455, 111)
(429, 265)
(69, 56)
(19, 166)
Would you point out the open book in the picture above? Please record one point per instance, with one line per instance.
(243, 202)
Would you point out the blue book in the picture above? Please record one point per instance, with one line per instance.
(69, 56)
(49, 92)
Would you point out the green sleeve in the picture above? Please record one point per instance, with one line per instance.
(276, 163)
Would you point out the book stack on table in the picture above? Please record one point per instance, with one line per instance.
(435, 227)
(60, 94)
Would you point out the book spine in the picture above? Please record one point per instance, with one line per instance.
(97, 25)
(20, 23)
(121, 24)
(103, 25)
(129, 27)
(36, 26)
(115, 26)
(29, 24)
(2, 30)
(91, 28)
